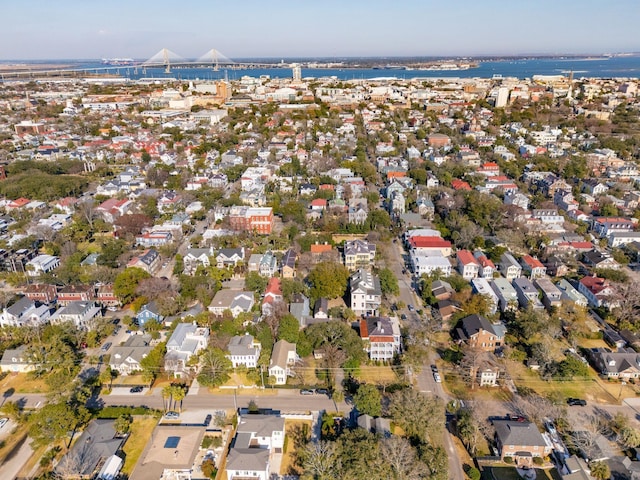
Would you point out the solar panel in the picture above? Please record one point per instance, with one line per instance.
(171, 442)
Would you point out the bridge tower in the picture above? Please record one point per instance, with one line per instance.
(167, 61)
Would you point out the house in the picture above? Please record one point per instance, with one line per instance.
(430, 263)
(149, 312)
(605, 226)
(429, 245)
(378, 425)
(358, 211)
(125, 359)
(40, 292)
(598, 259)
(522, 441)
(477, 332)
(288, 268)
(366, 294)
(257, 437)
(186, 341)
(441, 290)
(75, 293)
(623, 364)
(299, 307)
(381, 337)
(196, 257)
(106, 297)
(570, 294)
(507, 296)
(149, 261)
(527, 293)
(551, 295)
(79, 313)
(487, 267)
(283, 357)
(268, 265)
(468, 265)
(41, 264)
(272, 296)
(16, 360)
(229, 257)
(482, 287)
(533, 267)
(359, 254)
(236, 301)
(97, 446)
(25, 312)
(321, 309)
(509, 267)
(155, 238)
(244, 350)
(597, 291)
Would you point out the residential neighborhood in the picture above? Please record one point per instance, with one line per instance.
(282, 270)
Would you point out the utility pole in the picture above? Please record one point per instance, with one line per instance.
(262, 376)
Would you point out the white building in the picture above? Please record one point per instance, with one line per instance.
(244, 350)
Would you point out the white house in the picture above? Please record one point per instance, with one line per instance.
(186, 341)
(244, 350)
(283, 357)
(42, 264)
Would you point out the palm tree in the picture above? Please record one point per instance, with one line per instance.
(167, 393)
(179, 392)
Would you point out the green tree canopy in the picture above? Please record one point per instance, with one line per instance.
(126, 283)
(388, 282)
(368, 400)
(328, 280)
(214, 367)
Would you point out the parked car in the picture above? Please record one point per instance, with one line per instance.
(207, 420)
(3, 421)
(403, 317)
(434, 368)
(171, 415)
(306, 391)
(322, 391)
(137, 389)
(410, 307)
(576, 402)
(106, 346)
(436, 377)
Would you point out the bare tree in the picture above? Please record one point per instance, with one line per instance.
(321, 460)
(401, 457)
(628, 302)
(585, 439)
(87, 212)
(471, 363)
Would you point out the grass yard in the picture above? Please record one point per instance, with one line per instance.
(590, 388)
(510, 473)
(384, 375)
(141, 430)
(23, 383)
(293, 428)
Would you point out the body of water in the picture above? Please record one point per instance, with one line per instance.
(597, 67)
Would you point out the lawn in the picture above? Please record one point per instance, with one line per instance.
(288, 467)
(141, 431)
(383, 375)
(590, 388)
(24, 383)
(510, 473)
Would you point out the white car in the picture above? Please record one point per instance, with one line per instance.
(436, 377)
(3, 422)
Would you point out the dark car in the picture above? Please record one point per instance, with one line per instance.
(207, 420)
(322, 391)
(403, 317)
(137, 389)
(434, 368)
(576, 402)
(106, 346)
(410, 307)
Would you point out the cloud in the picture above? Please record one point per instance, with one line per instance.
(103, 31)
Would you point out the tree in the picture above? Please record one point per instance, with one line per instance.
(401, 458)
(599, 470)
(107, 376)
(368, 400)
(152, 364)
(289, 329)
(12, 410)
(255, 282)
(388, 282)
(126, 283)
(122, 424)
(417, 414)
(328, 280)
(469, 431)
(51, 423)
(320, 460)
(629, 437)
(214, 367)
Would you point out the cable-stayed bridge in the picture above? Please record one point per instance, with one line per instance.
(165, 59)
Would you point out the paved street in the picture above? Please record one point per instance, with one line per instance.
(425, 380)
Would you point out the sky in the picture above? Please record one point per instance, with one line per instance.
(87, 29)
